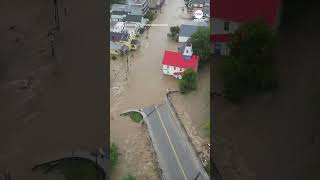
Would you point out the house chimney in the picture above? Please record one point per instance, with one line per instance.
(187, 54)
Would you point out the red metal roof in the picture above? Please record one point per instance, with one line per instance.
(219, 37)
(177, 60)
(245, 10)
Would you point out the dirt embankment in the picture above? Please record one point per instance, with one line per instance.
(194, 112)
(136, 152)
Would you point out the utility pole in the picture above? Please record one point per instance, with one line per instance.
(51, 39)
(56, 15)
(127, 55)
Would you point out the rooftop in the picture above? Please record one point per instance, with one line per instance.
(246, 10)
(119, 7)
(115, 36)
(187, 30)
(115, 45)
(177, 60)
(119, 13)
(134, 18)
(136, 1)
(197, 1)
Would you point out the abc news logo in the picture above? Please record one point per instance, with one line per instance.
(198, 16)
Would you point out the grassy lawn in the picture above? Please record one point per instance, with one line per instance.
(114, 154)
(129, 177)
(135, 116)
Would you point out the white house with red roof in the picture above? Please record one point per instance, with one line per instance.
(228, 15)
(175, 63)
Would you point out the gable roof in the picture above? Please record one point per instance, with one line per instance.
(115, 45)
(187, 30)
(119, 13)
(119, 7)
(197, 1)
(115, 36)
(246, 10)
(177, 60)
(134, 18)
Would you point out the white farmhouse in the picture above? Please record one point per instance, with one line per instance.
(175, 63)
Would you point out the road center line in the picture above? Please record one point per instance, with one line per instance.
(175, 153)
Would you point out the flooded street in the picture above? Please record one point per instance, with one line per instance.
(144, 85)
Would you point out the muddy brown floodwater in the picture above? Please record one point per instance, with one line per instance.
(144, 85)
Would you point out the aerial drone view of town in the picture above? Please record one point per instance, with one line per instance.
(160, 89)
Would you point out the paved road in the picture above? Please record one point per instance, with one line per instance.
(176, 157)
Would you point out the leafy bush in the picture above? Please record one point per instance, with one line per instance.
(188, 82)
(150, 15)
(249, 67)
(114, 154)
(174, 33)
(114, 57)
(129, 177)
(201, 44)
(135, 116)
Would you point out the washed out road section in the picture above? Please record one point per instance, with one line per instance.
(175, 154)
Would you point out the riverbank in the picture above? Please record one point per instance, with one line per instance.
(194, 111)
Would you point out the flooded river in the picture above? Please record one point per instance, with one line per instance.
(142, 86)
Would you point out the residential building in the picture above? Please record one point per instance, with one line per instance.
(136, 19)
(154, 4)
(206, 11)
(116, 48)
(120, 7)
(197, 3)
(117, 26)
(206, 3)
(175, 63)
(118, 15)
(132, 28)
(122, 38)
(138, 7)
(186, 30)
(228, 15)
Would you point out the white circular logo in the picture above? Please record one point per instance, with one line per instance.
(198, 14)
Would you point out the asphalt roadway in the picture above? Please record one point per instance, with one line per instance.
(177, 159)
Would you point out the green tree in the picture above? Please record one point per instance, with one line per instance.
(249, 66)
(129, 177)
(114, 154)
(150, 15)
(201, 44)
(188, 82)
(174, 33)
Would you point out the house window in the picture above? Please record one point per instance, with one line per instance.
(226, 26)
